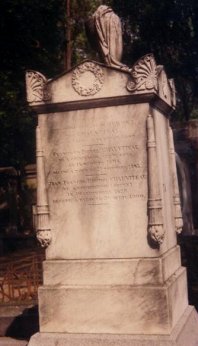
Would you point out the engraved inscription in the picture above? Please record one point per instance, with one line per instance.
(101, 164)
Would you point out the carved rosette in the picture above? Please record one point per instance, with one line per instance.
(88, 79)
(143, 75)
(155, 218)
(43, 230)
(176, 196)
(36, 87)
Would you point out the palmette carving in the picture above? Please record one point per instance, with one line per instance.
(155, 219)
(43, 230)
(176, 196)
(87, 79)
(36, 87)
(143, 75)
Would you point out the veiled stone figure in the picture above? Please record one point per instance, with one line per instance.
(105, 34)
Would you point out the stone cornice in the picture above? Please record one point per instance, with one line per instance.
(153, 99)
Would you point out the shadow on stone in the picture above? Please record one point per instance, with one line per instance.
(189, 256)
(152, 243)
(24, 325)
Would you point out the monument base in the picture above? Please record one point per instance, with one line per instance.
(184, 333)
(117, 296)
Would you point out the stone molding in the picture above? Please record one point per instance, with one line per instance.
(150, 98)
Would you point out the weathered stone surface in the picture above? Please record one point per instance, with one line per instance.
(90, 80)
(184, 333)
(121, 309)
(96, 169)
(142, 271)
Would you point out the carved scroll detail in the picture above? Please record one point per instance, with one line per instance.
(43, 223)
(87, 79)
(144, 75)
(36, 87)
(173, 92)
(163, 84)
(155, 219)
(176, 196)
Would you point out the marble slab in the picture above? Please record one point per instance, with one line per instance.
(97, 184)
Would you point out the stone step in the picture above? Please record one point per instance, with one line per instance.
(6, 341)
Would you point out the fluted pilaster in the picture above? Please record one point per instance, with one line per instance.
(43, 222)
(155, 219)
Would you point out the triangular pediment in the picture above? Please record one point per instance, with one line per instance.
(86, 81)
(91, 80)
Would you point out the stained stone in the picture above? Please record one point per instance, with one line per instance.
(184, 331)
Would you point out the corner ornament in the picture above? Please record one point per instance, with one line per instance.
(143, 75)
(36, 87)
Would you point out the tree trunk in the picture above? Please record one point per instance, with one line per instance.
(68, 50)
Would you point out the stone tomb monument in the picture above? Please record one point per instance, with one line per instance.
(108, 208)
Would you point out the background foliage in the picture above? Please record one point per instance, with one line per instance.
(168, 29)
(31, 38)
(34, 35)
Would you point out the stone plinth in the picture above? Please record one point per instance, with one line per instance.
(184, 333)
(108, 208)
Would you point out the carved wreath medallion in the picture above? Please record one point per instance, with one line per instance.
(87, 79)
